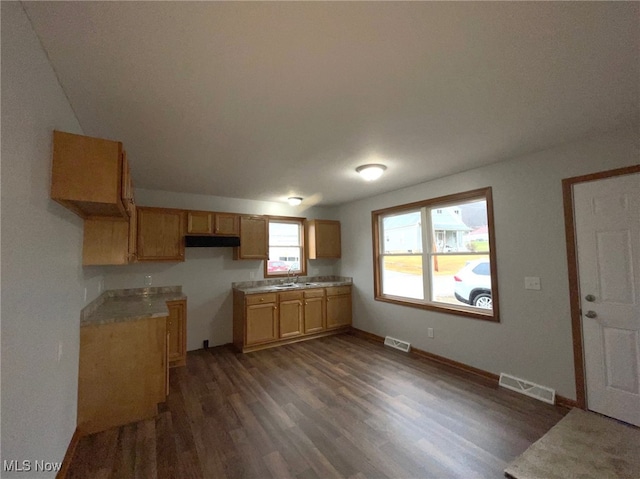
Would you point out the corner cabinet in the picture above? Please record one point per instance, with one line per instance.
(324, 239)
(160, 235)
(254, 233)
(265, 320)
(92, 178)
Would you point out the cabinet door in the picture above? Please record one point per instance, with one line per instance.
(314, 317)
(338, 311)
(324, 239)
(199, 222)
(127, 185)
(177, 329)
(290, 318)
(160, 234)
(133, 235)
(105, 241)
(226, 224)
(262, 321)
(253, 238)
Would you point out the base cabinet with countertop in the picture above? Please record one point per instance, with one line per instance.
(271, 317)
(128, 342)
(338, 306)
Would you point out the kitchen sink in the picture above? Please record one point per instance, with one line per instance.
(288, 285)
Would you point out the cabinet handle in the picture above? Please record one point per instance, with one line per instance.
(275, 307)
(261, 299)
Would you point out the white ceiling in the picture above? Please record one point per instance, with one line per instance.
(268, 100)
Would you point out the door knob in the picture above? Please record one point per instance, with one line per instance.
(591, 314)
(591, 298)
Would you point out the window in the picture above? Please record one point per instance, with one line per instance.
(438, 254)
(286, 247)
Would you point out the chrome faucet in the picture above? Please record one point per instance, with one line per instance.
(290, 274)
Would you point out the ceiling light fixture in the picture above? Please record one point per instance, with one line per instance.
(294, 200)
(371, 172)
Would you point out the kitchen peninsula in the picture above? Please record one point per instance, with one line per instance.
(128, 340)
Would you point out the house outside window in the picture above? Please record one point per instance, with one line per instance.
(438, 254)
(286, 247)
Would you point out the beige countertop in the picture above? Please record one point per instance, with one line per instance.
(130, 305)
(275, 285)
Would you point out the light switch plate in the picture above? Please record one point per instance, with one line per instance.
(532, 282)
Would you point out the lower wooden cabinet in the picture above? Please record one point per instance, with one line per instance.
(124, 367)
(261, 319)
(177, 331)
(290, 315)
(314, 311)
(122, 373)
(338, 306)
(269, 319)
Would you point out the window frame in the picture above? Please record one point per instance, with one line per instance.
(303, 253)
(485, 194)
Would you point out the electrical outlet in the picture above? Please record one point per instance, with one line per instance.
(100, 286)
(532, 282)
(430, 332)
(147, 280)
(85, 295)
(59, 351)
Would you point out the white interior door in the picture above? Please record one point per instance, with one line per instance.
(607, 219)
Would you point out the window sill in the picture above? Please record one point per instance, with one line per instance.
(441, 308)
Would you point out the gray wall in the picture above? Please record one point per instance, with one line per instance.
(43, 282)
(207, 273)
(533, 339)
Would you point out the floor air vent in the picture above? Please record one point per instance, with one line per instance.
(526, 387)
(397, 343)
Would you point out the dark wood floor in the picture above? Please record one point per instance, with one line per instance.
(333, 407)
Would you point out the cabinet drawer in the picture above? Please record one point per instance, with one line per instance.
(314, 293)
(335, 290)
(289, 295)
(260, 298)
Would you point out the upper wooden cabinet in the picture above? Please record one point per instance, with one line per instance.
(106, 241)
(88, 174)
(199, 222)
(160, 234)
(324, 239)
(254, 232)
(210, 223)
(226, 224)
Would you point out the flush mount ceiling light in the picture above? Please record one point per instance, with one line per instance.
(371, 172)
(294, 200)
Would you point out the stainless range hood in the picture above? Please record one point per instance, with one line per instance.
(211, 241)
